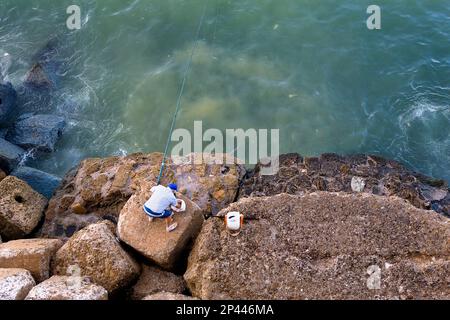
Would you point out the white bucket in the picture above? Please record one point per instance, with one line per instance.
(233, 221)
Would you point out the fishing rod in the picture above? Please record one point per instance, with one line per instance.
(180, 94)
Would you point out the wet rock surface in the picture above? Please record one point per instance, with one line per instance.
(99, 188)
(10, 155)
(42, 182)
(38, 132)
(8, 100)
(323, 246)
(356, 173)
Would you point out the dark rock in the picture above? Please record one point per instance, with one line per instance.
(40, 132)
(335, 173)
(10, 155)
(40, 181)
(8, 99)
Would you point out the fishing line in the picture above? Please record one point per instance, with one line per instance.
(180, 95)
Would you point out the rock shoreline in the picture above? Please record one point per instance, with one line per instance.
(331, 217)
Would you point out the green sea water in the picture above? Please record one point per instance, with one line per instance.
(308, 67)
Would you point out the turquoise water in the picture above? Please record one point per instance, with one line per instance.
(310, 68)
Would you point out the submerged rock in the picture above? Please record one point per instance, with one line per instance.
(21, 208)
(97, 254)
(8, 100)
(15, 284)
(10, 155)
(39, 132)
(34, 255)
(323, 246)
(99, 188)
(42, 182)
(355, 173)
(67, 288)
(151, 239)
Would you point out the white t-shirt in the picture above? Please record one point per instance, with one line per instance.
(161, 199)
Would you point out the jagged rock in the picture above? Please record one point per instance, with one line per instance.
(10, 155)
(98, 255)
(2, 175)
(8, 100)
(153, 280)
(151, 238)
(323, 246)
(166, 296)
(67, 288)
(42, 182)
(21, 208)
(39, 132)
(34, 255)
(15, 284)
(335, 173)
(99, 188)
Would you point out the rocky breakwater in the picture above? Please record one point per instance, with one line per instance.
(353, 174)
(99, 188)
(323, 246)
(28, 126)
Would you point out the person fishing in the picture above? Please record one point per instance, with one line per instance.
(162, 203)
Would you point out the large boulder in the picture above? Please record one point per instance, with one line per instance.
(99, 188)
(34, 255)
(42, 182)
(8, 99)
(153, 280)
(10, 155)
(38, 132)
(323, 246)
(67, 288)
(167, 296)
(151, 239)
(355, 173)
(97, 254)
(21, 208)
(15, 284)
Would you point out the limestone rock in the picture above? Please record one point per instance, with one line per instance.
(99, 256)
(42, 182)
(151, 238)
(39, 132)
(10, 155)
(166, 296)
(34, 255)
(21, 208)
(335, 173)
(99, 188)
(154, 280)
(15, 284)
(323, 246)
(67, 288)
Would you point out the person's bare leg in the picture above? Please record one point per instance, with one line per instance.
(171, 224)
(150, 219)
